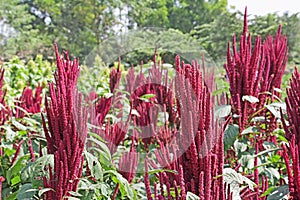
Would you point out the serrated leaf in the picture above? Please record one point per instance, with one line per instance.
(222, 111)
(250, 99)
(230, 136)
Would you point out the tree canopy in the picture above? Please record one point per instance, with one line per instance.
(82, 25)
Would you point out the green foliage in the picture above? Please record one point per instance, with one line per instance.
(268, 25)
(19, 74)
(230, 135)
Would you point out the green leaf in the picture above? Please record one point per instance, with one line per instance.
(105, 155)
(125, 188)
(230, 175)
(99, 141)
(279, 193)
(278, 90)
(250, 99)
(234, 180)
(258, 119)
(94, 165)
(269, 190)
(146, 97)
(251, 129)
(18, 125)
(274, 172)
(135, 112)
(15, 180)
(222, 111)
(11, 196)
(155, 171)
(75, 194)
(107, 95)
(191, 196)
(70, 198)
(230, 135)
(26, 192)
(15, 170)
(42, 191)
(266, 151)
(2, 107)
(33, 172)
(10, 134)
(274, 108)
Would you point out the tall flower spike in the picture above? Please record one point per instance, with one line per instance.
(128, 163)
(254, 72)
(199, 143)
(147, 181)
(67, 129)
(4, 111)
(293, 105)
(293, 135)
(29, 101)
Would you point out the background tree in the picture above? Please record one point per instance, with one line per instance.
(82, 25)
(268, 24)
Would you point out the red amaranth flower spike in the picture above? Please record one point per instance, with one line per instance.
(255, 72)
(128, 163)
(199, 145)
(5, 112)
(147, 181)
(293, 135)
(30, 101)
(67, 129)
(293, 104)
(115, 77)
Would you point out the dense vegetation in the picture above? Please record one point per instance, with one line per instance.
(154, 124)
(82, 25)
